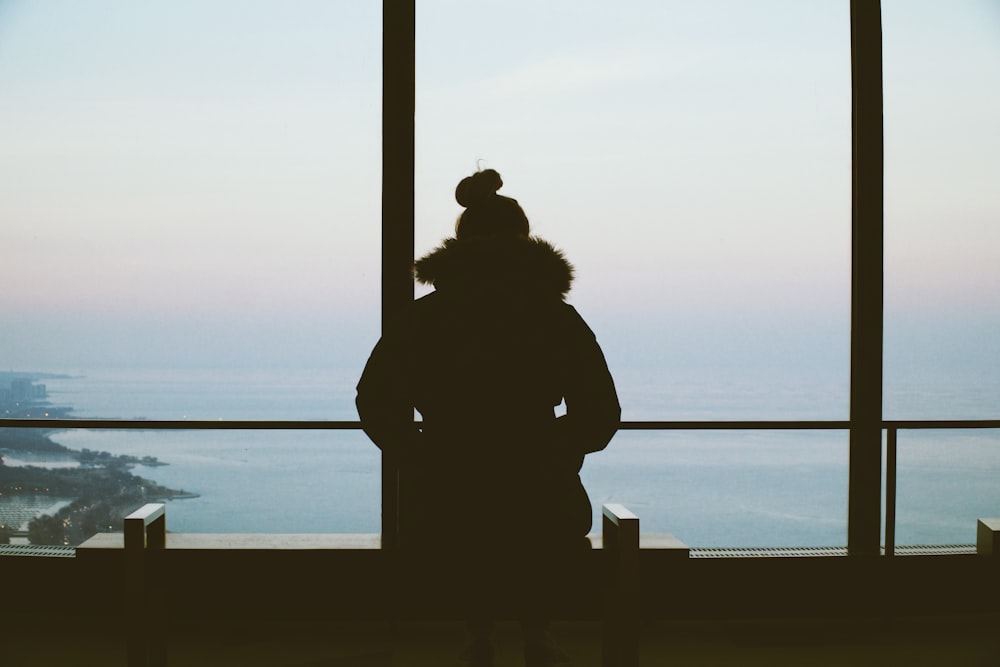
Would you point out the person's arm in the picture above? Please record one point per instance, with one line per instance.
(384, 402)
(593, 412)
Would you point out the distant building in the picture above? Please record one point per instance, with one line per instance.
(23, 389)
(20, 389)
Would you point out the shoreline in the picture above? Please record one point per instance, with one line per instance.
(102, 488)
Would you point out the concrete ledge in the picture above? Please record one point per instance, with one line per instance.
(206, 584)
(665, 543)
(246, 541)
(257, 574)
(988, 537)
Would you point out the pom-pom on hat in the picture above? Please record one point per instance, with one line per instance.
(487, 213)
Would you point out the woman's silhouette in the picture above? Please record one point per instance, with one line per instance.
(485, 359)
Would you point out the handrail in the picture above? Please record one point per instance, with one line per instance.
(180, 424)
(735, 425)
(346, 425)
(912, 424)
(891, 427)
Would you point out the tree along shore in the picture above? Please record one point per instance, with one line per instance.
(103, 487)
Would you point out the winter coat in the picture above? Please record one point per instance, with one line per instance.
(485, 359)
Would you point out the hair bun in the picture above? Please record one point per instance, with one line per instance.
(476, 188)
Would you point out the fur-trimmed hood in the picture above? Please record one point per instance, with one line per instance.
(520, 265)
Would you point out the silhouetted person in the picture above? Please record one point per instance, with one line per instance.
(490, 480)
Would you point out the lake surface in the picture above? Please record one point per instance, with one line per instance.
(715, 488)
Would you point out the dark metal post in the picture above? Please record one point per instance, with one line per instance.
(145, 532)
(398, 93)
(890, 491)
(864, 497)
(620, 545)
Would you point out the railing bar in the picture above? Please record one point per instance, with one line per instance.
(890, 492)
(193, 425)
(160, 424)
(943, 424)
(733, 425)
(322, 425)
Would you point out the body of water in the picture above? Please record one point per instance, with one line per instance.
(725, 488)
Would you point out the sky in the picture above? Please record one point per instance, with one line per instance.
(198, 182)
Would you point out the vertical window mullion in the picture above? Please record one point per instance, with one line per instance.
(865, 468)
(398, 93)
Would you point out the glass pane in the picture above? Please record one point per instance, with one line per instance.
(189, 185)
(691, 159)
(693, 162)
(191, 210)
(212, 481)
(942, 259)
(728, 489)
(942, 246)
(217, 481)
(946, 482)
